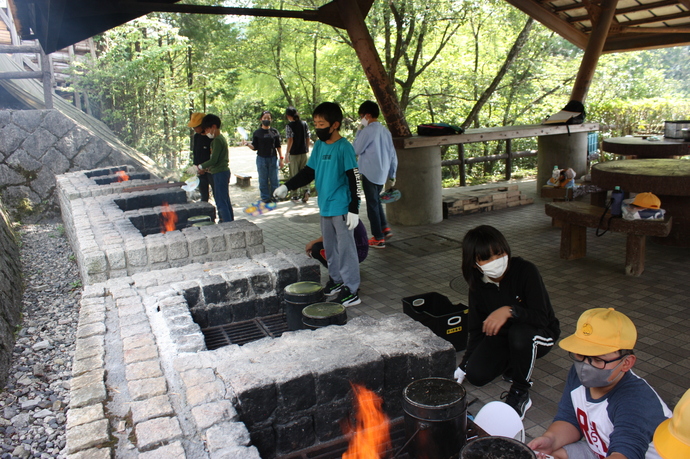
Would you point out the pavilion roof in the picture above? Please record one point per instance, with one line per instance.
(637, 24)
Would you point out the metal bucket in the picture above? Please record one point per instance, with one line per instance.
(496, 448)
(435, 418)
(296, 297)
(319, 315)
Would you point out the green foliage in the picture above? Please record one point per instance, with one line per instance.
(441, 56)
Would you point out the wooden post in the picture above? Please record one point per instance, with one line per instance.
(509, 159)
(47, 81)
(373, 67)
(463, 171)
(595, 46)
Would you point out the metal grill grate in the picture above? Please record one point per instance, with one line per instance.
(335, 448)
(244, 332)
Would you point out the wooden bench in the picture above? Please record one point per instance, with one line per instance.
(576, 217)
(244, 180)
(557, 193)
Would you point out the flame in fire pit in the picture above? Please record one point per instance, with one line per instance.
(122, 176)
(169, 219)
(371, 438)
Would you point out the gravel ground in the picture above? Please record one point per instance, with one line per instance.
(33, 405)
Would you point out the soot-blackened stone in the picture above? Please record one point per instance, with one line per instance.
(264, 440)
(257, 404)
(268, 306)
(297, 394)
(295, 435)
(329, 421)
(220, 314)
(200, 316)
(215, 290)
(192, 296)
(244, 310)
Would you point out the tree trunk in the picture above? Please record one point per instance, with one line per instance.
(510, 58)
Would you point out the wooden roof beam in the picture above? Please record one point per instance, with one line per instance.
(632, 9)
(652, 20)
(543, 14)
(595, 46)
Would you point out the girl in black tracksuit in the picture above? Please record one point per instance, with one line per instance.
(511, 321)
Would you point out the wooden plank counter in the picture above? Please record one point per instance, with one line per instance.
(492, 133)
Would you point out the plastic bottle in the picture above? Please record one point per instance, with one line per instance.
(617, 202)
(556, 172)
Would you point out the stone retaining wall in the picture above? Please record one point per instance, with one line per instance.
(11, 289)
(37, 145)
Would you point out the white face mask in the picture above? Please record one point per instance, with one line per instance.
(364, 121)
(210, 135)
(496, 268)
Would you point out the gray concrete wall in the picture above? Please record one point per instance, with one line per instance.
(10, 293)
(566, 150)
(37, 145)
(419, 182)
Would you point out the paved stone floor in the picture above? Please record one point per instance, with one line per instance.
(657, 301)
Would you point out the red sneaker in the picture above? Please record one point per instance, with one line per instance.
(377, 243)
(387, 233)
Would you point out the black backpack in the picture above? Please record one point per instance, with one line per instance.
(438, 129)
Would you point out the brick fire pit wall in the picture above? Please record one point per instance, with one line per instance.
(107, 244)
(173, 398)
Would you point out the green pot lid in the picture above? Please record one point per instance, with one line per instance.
(303, 287)
(323, 310)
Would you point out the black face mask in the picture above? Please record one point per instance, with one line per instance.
(266, 122)
(324, 133)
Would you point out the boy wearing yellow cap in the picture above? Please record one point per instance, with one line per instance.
(672, 437)
(201, 152)
(606, 409)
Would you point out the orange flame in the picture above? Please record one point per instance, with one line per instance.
(371, 438)
(169, 219)
(122, 176)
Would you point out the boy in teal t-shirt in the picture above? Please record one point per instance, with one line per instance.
(332, 165)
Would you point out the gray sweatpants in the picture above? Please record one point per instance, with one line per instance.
(341, 251)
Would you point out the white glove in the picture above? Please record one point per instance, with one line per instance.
(390, 183)
(459, 375)
(191, 170)
(280, 192)
(352, 220)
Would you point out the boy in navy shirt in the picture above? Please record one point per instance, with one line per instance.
(606, 410)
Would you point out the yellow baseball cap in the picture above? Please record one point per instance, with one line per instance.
(601, 331)
(672, 437)
(647, 200)
(195, 119)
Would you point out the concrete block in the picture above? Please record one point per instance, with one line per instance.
(146, 388)
(87, 435)
(209, 414)
(116, 258)
(296, 435)
(88, 395)
(156, 431)
(171, 451)
(236, 452)
(143, 370)
(78, 416)
(225, 434)
(140, 354)
(92, 453)
(85, 365)
(154, 407)
(85, 379)
(205, 393)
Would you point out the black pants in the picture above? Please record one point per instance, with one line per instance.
(513, 351)
(205, 180)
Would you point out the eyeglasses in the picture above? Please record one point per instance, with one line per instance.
(596, 362)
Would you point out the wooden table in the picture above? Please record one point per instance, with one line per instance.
(669, 179)
(646, 148)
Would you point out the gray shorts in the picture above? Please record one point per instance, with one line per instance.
(580, 450)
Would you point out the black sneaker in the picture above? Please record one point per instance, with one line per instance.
(518, 399)
(332, 287)
(347, 298)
